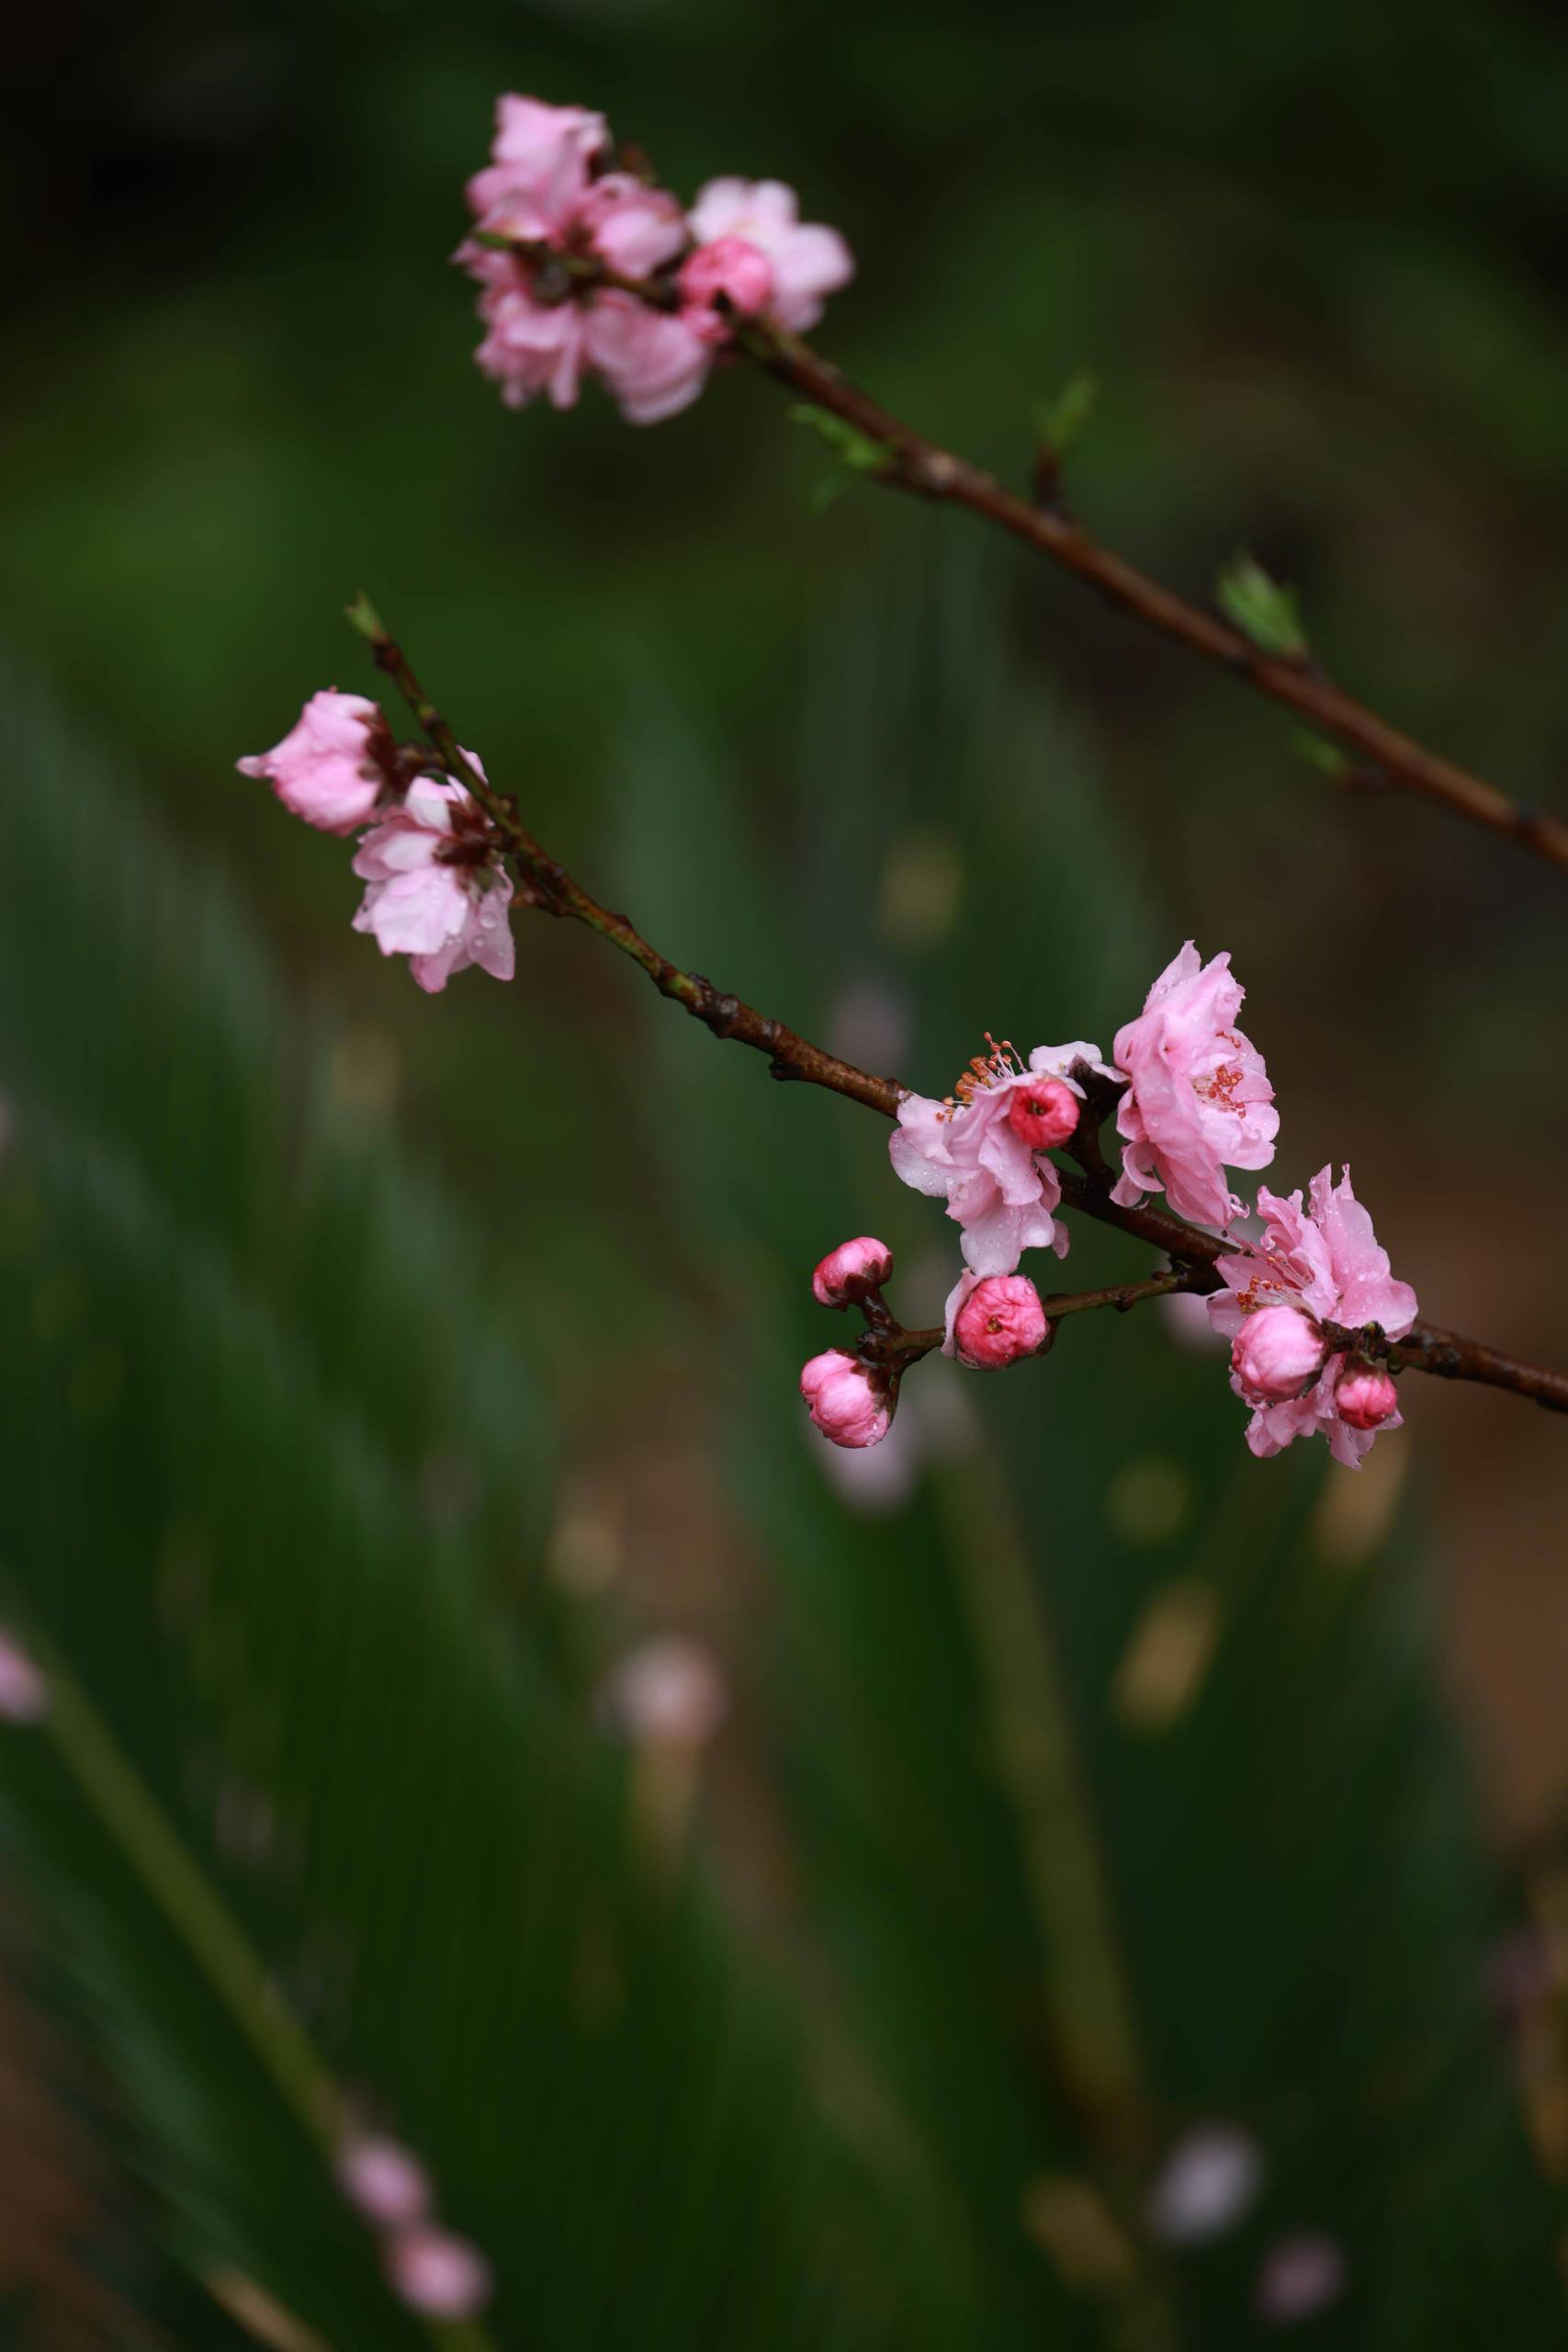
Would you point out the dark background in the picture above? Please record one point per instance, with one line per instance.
(895, 785)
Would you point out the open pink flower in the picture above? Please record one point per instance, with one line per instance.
(436, 889)
(653, 362)
(970, 1152)
(1197, 1099)
(1323, 1262)
(808, 262)
(330, 767)
(546, 186)
(540, 160)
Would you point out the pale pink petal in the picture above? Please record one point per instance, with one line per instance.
(808, 262)
(1198, 1099)
(328, 769)
(636, 228)
(540, 159)
(652, 361)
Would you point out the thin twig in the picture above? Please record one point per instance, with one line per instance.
(1191, 1251)
(923, 467)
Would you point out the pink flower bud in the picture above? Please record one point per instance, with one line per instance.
(1044, 1113)
(24, 1693)
(1277, 1351)
(437, 2273)
(846, 1404)
(390, 2186)
(329, 767)
(846, 1273)
(1000, 1321)
(1366, 1398)
(732, 266)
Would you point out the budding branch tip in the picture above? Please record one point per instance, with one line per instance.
(362, 614)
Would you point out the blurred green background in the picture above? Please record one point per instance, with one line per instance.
(381, 1371)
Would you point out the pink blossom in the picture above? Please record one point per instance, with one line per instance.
(1366, 1396)
(732, 268)
(1207, 2183)
(671, 1692)
(1300, 2276)
(330, 767)
(1323, 1262)
(808, 262)
(846, 1273)
(437, 2273)
(847, 1405)
(388, 2184)
(1277, 1351)
(995, 1322)
(24, 1693)
(969, 1153)
(542, 330)
(437, 890)
(654, 363)
(540, 159)
(1197, 1099)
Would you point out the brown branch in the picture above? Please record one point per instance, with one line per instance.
(923, 467)
(1192, 1253)
(548, 885)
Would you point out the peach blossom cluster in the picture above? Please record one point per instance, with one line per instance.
(558, 221)
(1310, 1305)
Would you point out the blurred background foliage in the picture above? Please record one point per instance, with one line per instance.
(382, 1370)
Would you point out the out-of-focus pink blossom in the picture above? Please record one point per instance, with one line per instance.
(1275, 1353)
(543, 186)
(995, 1322)
(24, 1693)
(653, 362)
(540, 159)
(1366, 1398)
(969, 1153)
(385, 2181)
(1206, 2184)
(671, 1692)
(1300, 2276)
(635, 228)
(846, 1273)
(808, 262)
(1323, 1261)
(1197, 1099)
(330, 767)
(1045, 1112)
(437, 891)
(731, 268)
(846, 1404)
(437, 2273)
